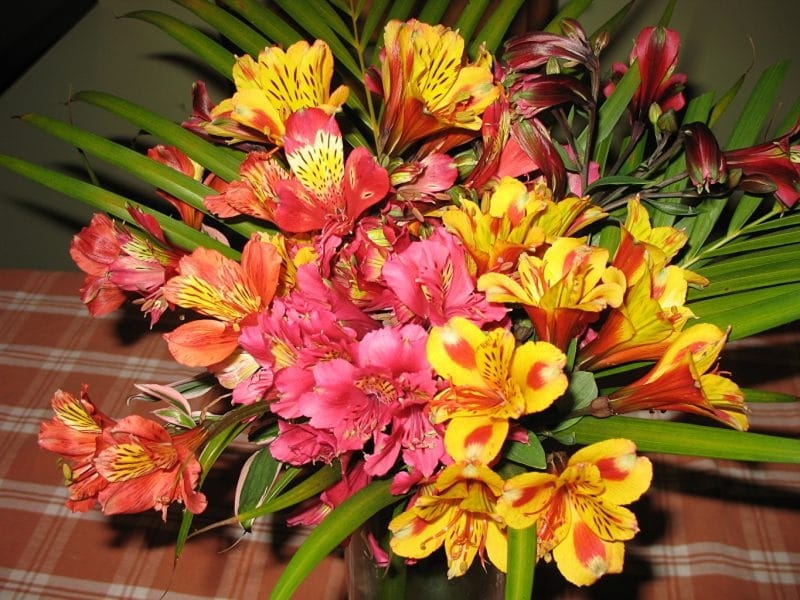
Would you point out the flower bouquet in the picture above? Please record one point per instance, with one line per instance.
(429, 269)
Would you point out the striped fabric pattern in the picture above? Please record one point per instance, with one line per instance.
(709, 529)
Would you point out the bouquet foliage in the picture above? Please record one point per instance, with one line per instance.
(432, 268)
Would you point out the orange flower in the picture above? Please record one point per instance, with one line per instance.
(680, 381)
(224, 289)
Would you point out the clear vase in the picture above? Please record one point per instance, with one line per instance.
(424, 580)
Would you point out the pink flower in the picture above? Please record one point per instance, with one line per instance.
(431, 283)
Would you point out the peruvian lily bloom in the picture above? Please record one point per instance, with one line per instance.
(73, 435)
(491, 377)
(563, 291)
(704, 160)
(771, 167)
(660, 88)
(230, 292)
(361, 400)
(147, 467)
(174, 158)
(118, 259)
(270, 89)
(649, 319)
(457, 510)
(496, 233)
(325, 192)
(431, 282)
(428, 91)
(579, 512)
(680, 381)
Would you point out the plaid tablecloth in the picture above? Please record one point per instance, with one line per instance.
(710, 529)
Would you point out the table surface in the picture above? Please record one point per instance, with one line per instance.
(709, 528)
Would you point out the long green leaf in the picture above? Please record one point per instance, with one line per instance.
(318, 28)
(571, 10)
(159, 176)
(752, 311)
(264, 20)
(209, 51)
(325, 537)
(115, 205)
(750, 278)
(521, 563)
(214, 158)
(496, 27)
(470, 16)
(689, 439)
(226, 24)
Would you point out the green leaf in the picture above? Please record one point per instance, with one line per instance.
(214, 158)
(470, 16)
(159, 176)
(496, 26)
(264, 20)
(571, 10)
(227, 25)
(209, 51)
(318, 28)
(750, 312)
(325, 537)
(666, 16)
(617, 180)
(176, 231)
(752, 395)
(261, 478)
(521, 563)
(689, 439)
(530, 454)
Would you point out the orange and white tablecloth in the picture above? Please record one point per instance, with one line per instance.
(709, 529)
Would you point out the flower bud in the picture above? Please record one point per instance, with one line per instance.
(704, 160)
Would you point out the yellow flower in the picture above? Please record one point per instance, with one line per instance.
(458, 511)
(578, 512)
(562, 291)
(426, 88)
(489, 375)
(272, 88)
(498, 232)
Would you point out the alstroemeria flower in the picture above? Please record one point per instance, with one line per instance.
(73, 435)
(656, 52)
(771, 167)
(457, 510)
(269, 90)
(498, 231)
(490, 376)
(704, 160)
(649, 319)
(326, 190)
(147, 467)
(427, 89)
(579, 513)
(118, 259)
(563, 291)
(680, 381)
(230, 292)
(431, 282)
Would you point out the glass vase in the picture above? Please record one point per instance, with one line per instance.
(425, 579)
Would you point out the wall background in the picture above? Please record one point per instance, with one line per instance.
(135, 60)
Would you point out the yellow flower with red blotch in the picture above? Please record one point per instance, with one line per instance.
(578, 513)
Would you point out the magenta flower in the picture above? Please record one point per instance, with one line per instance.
(656, 52)
(771, 167)
(704, 160)
(431, 283)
